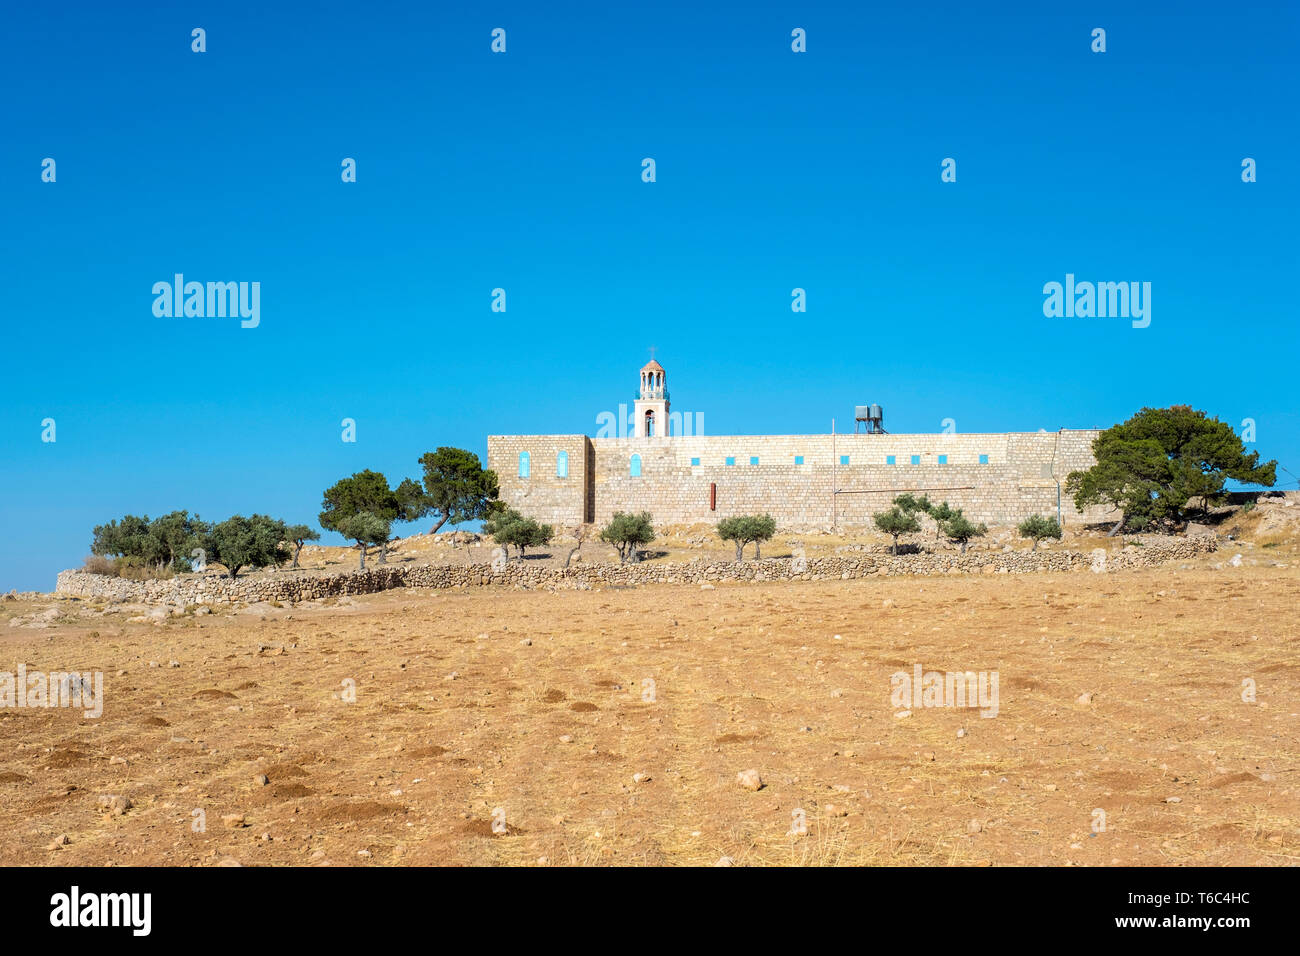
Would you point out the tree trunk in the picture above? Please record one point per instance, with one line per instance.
(1115, 530)
(569, 557)
(758, 553)
(963, 547)
(740, 551)
(297, 549)
(1035, 547)
(895, 545)
(363, 554)
(383, 553)
(441, 521)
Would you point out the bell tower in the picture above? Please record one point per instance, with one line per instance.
(651, 414)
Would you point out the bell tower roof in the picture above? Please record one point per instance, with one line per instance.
(652, 366)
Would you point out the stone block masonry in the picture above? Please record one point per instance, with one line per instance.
(998, 478)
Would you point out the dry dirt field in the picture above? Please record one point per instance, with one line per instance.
(526, 707)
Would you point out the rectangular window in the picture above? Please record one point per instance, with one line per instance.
(695, 461)
(753, 459)
(890, 460)
(916, 459)
(731, 460)
(798, 459)
(943, 459)
(984, 459)
(844, 459)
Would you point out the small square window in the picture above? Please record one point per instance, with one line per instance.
(943, 459)
(798, 459)
(753, 459)
(731, 460)
(844, 459)
(916, 459)
(890, 460)
(695, 461)
(984, 459)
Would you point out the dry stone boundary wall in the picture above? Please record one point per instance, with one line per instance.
(288, 589)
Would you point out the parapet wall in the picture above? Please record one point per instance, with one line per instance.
(288, 588)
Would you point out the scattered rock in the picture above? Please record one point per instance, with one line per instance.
(115, 805)
(750, 780)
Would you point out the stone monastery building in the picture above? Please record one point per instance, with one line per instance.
(806, 482)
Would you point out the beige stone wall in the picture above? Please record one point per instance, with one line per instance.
(1021, 476)
(563, 502)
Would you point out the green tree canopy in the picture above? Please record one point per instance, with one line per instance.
(895, 522)
(298, 535)
(240, 542)
(178, 536)
(127, 538)
(1038, 527)
(1153, 464)
(941, 513)
(960, 529)
(508, 527)
(627, 532)
(167, 540)
(365, 528)
(457, 488)
(367, 491)
(910, 504)
(742, 529)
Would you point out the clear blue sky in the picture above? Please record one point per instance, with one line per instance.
(775, 170)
